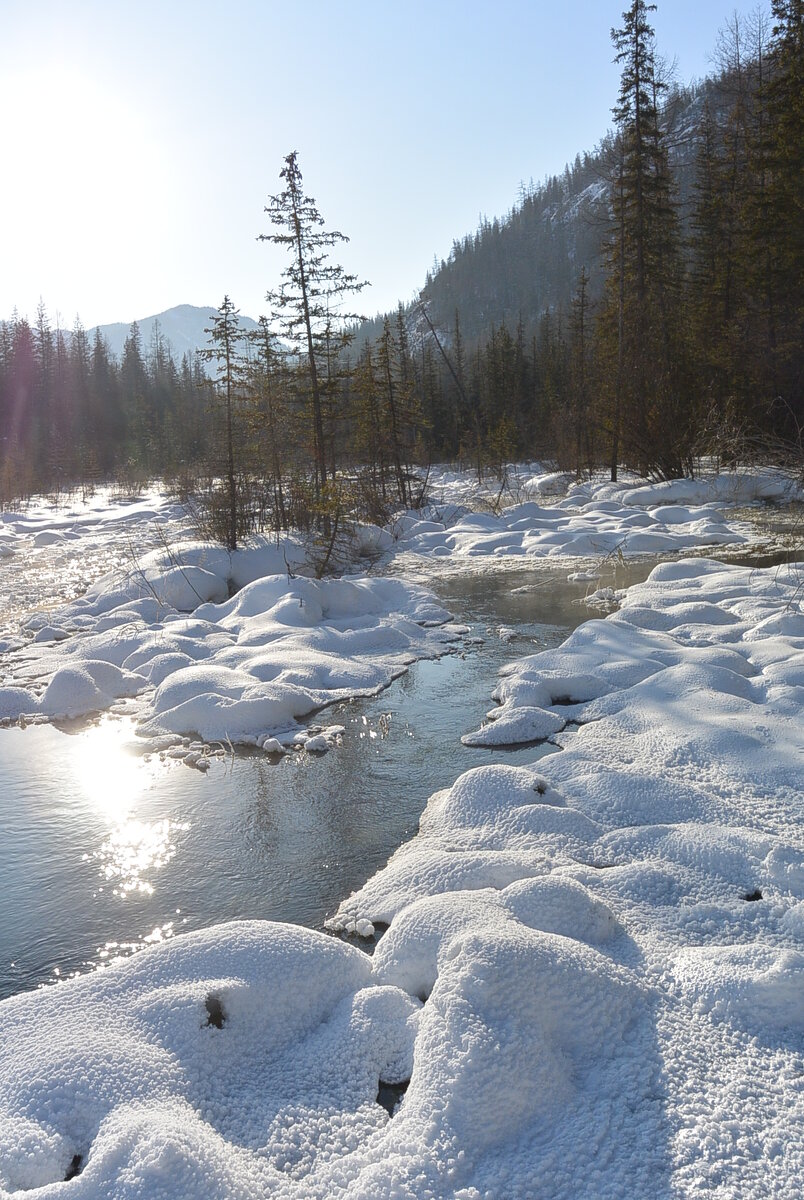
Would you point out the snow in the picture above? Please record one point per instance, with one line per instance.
(595, 519)
(593, 971)
(572, 528)
(730, 487)
(233, 670)
(674, 816)
(583, 530)
(126, 1067)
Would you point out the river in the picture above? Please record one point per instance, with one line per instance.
(105, 852)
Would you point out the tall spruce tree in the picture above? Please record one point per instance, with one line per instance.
(778, 217)
(225, 335)
(645, 263)
(580, 323)
(308, 301)
(267, 376)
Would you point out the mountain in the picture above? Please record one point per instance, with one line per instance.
(183, 327)
(517, 267)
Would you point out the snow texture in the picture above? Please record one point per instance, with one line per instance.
(593, 972)
(237, 670)
(592, 976)
(592, 520)
(664, 840)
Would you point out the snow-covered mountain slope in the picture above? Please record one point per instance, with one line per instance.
(182, 326)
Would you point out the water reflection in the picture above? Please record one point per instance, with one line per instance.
(108, 771)
(136, 849)
(114, 952)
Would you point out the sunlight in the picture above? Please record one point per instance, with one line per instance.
(133, 852)
(112, 778)
(108, 773)
(74, 177)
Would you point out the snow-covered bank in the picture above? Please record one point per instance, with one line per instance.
(592, 976)
(592, 519)
(52, 549)
(62, 526)
(241, 670)
(148, 626)
(668, 835)
(449, 486)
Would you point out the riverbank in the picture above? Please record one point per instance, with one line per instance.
(591, 984)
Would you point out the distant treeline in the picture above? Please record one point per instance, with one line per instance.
(643, 308)
(70, 412)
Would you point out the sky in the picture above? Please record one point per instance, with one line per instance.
(142, 140)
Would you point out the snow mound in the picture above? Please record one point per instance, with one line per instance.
(744, 486)
(74, 691)
(515, 726)
(411, 953)
(249, 1060)
(595, 519)
(212, 1064)
(240, 670)
(664, 841)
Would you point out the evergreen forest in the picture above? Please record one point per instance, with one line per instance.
(644, 309)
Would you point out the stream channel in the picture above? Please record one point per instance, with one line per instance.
(104, 852)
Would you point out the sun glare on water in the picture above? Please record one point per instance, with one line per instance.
(113, 779)
(108, 773)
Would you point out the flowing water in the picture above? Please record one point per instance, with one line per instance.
(103, 851)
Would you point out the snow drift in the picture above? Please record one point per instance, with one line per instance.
(591, 982)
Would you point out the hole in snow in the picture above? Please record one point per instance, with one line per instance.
(389, 1095)
(215, 1013)
(755, 895)
(74, 1168)
(423, 995)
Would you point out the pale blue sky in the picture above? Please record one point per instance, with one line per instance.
(142, 139)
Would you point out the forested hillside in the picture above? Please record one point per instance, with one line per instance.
(521, 265)
(647, 302)
(642, 309)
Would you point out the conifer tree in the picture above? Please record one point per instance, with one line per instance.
(225, 335)
(267, 375)
(45, 353)
(644, 257)
(369, 442)
(778, 216)
(309, 298)
(579, 366)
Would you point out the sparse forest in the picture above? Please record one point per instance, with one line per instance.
(642, 309)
